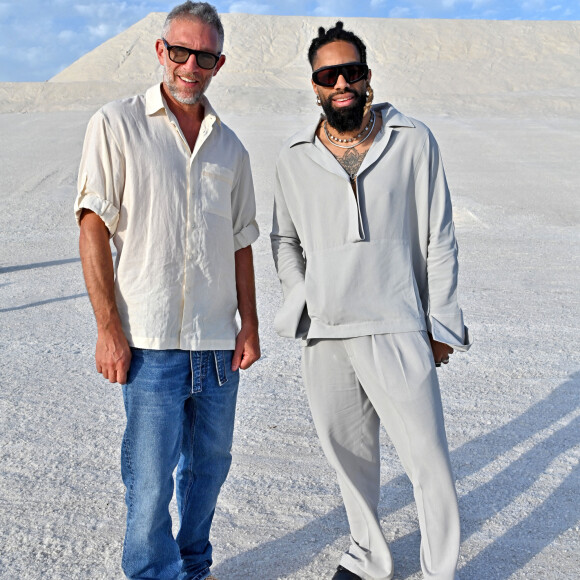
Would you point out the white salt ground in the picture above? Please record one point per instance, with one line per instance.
(512, 403)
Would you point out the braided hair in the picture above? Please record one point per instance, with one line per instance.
(332, 35)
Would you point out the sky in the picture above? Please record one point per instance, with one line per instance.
(38, 38)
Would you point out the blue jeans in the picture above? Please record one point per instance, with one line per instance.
(180, 408)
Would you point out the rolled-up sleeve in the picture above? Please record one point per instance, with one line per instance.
(445, 318)
(101, 176)
(245, 227)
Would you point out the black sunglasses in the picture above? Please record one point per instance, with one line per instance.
(180, 54)
(351, 71)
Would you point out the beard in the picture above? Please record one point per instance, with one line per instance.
(347, 118)
(183, 95)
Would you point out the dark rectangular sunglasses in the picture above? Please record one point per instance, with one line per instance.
(351, 71)
(181, 54)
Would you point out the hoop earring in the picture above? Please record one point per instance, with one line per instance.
(369, 101)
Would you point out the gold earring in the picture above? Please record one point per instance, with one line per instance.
(369, 101)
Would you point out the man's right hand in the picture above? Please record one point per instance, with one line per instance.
(441, 351)
(113, 355)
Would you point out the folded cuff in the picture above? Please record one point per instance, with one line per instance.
(246, 236)
(444, 333)
(103, 208)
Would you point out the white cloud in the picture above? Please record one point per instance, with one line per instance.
(341, 8)
(34, 54)
(400, 12)
(532, 5)
(102, 30)
(67, 35)
(101, 11)
(250, 7)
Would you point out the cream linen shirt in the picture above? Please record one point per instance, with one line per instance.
(382, 261)
(175, 216)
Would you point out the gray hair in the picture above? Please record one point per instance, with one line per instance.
(199, 10)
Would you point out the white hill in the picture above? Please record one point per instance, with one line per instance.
(441, 66)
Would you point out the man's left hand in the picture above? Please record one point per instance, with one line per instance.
(441, 351)
(247, 348)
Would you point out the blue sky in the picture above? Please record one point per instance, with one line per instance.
(40, 38)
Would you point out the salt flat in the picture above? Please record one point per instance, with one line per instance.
(511, 403)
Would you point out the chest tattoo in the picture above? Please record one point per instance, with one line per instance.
(351, 161)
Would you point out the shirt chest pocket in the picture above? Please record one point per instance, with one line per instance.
(216, 190)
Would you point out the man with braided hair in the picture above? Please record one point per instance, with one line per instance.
(364, 246)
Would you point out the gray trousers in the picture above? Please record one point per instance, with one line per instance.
(355, 384)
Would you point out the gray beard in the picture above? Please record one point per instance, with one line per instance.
(193, 100)
(185, 100)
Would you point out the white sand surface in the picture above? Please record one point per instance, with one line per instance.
(512, 403)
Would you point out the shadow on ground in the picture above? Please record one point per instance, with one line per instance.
(511, 551)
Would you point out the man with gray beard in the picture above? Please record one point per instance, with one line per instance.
(171, 184)
(364, 246)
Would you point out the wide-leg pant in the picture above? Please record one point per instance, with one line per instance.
(355, 384)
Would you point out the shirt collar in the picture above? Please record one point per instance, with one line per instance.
(391, 118)
(155, 102)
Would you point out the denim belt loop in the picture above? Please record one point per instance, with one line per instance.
(196, 371)
(220, 366)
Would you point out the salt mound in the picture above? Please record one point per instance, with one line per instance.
(442, 65)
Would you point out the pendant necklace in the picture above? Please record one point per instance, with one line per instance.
(335, 140)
